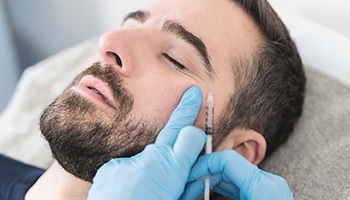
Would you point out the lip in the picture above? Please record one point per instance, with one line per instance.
(96, 90)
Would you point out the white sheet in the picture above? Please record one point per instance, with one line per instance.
(320, 47)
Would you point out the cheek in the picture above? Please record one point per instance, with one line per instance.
(165, 104)
(157, 101)
(200, 121)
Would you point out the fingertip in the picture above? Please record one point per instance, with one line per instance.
(194, 93)
(184, 115)
(195, 89)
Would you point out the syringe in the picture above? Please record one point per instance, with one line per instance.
(209, 131)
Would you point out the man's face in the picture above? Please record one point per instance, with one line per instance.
(116, 108)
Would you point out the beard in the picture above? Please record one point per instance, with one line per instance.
(83, 136)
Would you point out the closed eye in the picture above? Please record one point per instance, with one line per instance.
(173, 61)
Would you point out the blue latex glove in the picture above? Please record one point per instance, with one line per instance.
(236, 178)
(161, 170)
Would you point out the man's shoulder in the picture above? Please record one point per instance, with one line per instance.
(16, 178)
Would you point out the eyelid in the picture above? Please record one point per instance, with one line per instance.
(131, 24)
(173, 61)
(180, 67)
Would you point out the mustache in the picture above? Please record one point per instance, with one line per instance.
(109, 75)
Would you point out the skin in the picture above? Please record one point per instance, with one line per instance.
(157, 84)
(139, 45)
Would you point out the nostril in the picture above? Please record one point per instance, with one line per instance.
(117, 58)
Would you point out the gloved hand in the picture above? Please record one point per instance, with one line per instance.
(236, 178)
(161, 170)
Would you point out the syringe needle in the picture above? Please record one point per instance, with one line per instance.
(209, 132)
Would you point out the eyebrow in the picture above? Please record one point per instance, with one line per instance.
(139, 15)
(178, 30)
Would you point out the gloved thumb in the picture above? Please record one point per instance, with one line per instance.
(184, 115)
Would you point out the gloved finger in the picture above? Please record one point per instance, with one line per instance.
(99, 181)
(184, 115)
(227, 189)
(227, 162)
(195, 189)
(188, 145)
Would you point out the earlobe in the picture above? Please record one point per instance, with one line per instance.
(249, 143)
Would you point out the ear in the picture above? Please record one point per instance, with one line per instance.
(249, 143)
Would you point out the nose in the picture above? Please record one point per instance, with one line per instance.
(112, 51)
(124, 49)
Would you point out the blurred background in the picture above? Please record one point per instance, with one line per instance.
(31, 31)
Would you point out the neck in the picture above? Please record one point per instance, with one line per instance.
(56, 183)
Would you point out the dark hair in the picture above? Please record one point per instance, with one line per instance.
(269, 91)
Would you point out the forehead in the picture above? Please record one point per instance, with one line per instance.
(227, 31)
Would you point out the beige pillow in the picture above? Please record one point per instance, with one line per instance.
(316, 158)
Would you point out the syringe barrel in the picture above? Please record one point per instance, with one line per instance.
(209, 114)
(209, 130)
